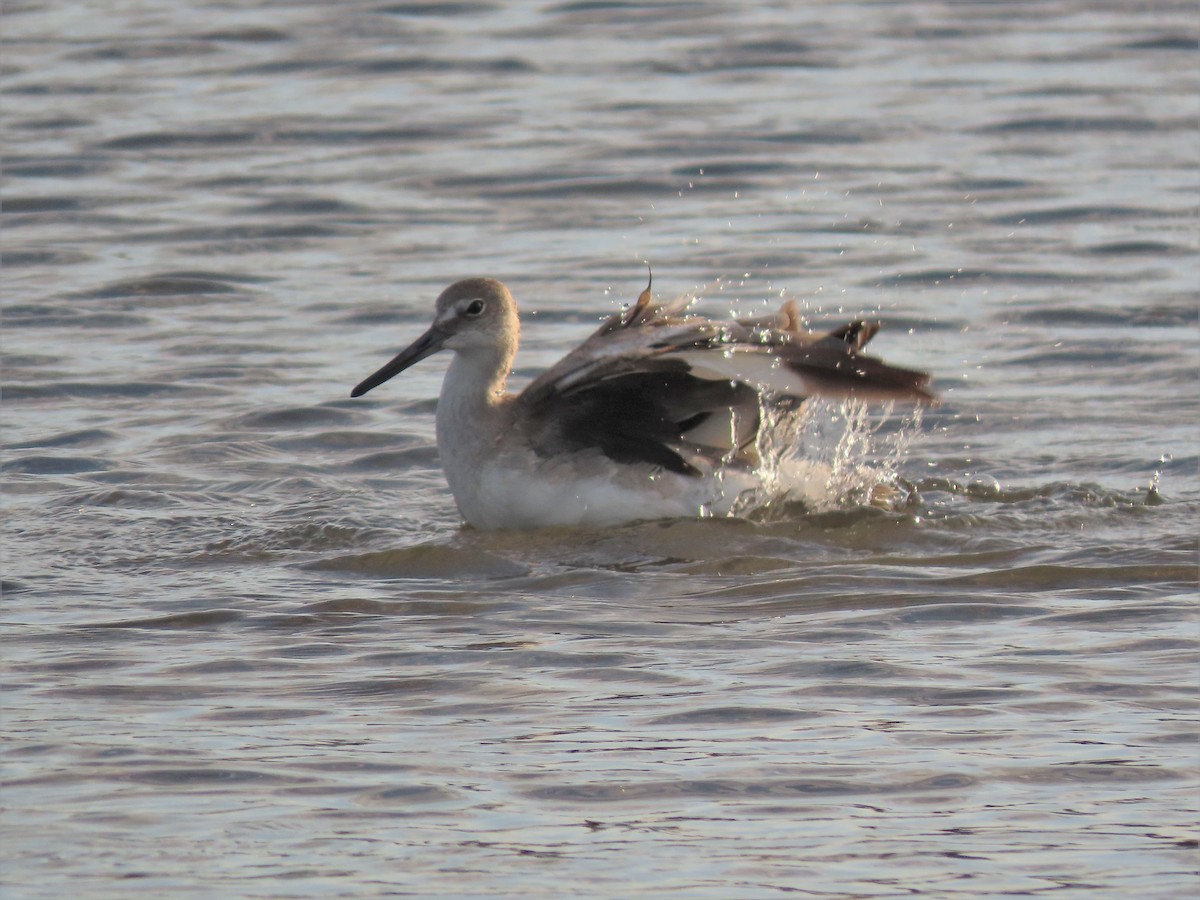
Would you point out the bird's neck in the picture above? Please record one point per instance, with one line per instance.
(475, 379)
(470, 408)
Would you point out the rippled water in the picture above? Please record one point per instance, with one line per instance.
(249, 650)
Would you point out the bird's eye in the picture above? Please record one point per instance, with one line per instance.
(474, 308)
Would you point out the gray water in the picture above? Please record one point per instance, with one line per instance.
(251, 652)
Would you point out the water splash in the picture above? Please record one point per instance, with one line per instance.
(1153, 497)
(830, 455)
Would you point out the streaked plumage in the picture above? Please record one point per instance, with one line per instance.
(646, 418)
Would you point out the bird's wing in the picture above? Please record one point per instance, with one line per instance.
(684, 392)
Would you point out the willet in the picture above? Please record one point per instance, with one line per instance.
(657, 414)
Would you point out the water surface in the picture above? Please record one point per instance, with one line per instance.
(251, 652)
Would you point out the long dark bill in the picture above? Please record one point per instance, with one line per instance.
(426, 345)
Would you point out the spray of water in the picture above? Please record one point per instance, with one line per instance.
(829, 455)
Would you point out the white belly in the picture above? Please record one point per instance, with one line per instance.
(533, 493)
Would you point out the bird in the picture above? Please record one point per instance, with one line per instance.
(658, 414)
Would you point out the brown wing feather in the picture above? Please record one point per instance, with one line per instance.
(651, 387)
